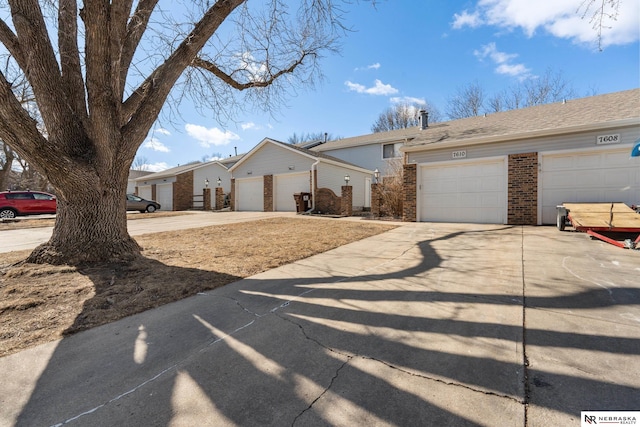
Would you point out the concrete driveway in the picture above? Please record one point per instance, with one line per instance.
(428, 324)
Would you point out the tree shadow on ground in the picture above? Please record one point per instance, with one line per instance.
(321, 350)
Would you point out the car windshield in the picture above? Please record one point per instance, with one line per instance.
(133, 198)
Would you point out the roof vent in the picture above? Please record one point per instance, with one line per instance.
(424, 119)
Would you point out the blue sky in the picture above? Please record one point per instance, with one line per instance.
(421, 50)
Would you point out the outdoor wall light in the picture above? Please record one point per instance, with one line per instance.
(347, 178)
(249, 172)
(219, 181)
(291, 167)
(206, 183)
(376, 175)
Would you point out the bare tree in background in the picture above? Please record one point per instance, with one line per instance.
(310, 136)
(404, 115)
(7, 156)
(545, 89)
(601, 13)
(140, 164)
(102, 86)
(468, 101)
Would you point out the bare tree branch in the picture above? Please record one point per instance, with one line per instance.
(72, 79)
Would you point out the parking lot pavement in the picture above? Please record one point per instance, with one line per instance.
(427, 324)
(29, 238)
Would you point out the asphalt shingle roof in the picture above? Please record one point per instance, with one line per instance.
(556, 117)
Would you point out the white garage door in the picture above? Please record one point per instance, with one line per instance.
(144, 191)
(464, 192)
(249, 195)
(588, 176)
(164, 193)
(285, 186)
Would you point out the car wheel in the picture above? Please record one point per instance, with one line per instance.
(7, 213)
(151, 208)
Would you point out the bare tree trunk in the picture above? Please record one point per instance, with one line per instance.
(91, 224)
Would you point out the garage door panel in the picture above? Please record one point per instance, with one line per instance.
(464, 192)
(249, 195)
(595, 177)
(164, 193)
(285, 186)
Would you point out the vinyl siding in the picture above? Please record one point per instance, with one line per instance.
(365, 156)
(211, 172)
(554, 143)
(332, 177)
(271, 160)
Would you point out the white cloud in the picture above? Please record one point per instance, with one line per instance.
(210, 136)
(374, 66)
(407, 100)
(156, 167)
(249, 125)
(162, 131)
(560, 18)
(515, 70)
(465, 19)
(155, 145)
(378, 88)
(503, 61)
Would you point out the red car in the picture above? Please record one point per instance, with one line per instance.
(14, 203)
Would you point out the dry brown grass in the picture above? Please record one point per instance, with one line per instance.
(40, 303)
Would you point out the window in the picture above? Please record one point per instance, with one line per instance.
(391, 151)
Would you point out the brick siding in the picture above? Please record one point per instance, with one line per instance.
(206, 199)
(327, 202)
(523, 189)
(183, 192)
(347, 200)
(410, 188)
(268, 193)
(232, 196)
(219, 198)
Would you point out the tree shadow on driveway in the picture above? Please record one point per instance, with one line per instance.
(402, 343)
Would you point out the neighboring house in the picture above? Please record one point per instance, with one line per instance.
(133, 175)
(514, 167)
(269, 175)
(181, 188)
(372, 151)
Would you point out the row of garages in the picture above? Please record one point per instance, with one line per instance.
(512, 167)
(476, 191)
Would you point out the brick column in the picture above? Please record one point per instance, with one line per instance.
(219, 198)
(347, 200)
(183, 190)
(268, 193)
(206, 199)
(375, 199)
(523, 189)
(410, 190)
(232, 196)
(153, 192)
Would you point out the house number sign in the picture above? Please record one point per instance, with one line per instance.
(608, 139)
(459, 154)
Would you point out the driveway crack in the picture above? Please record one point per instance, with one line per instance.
(351, 356)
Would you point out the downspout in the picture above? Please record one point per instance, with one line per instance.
(313, 187)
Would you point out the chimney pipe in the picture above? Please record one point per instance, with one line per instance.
(424, 119)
